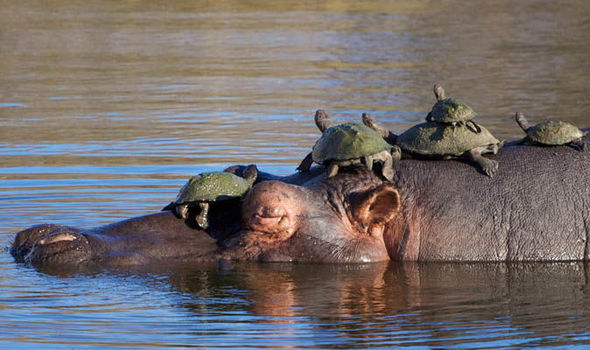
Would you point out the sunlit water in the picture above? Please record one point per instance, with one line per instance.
(107, 107)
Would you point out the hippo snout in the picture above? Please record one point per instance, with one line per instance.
(44, 245)
(60, 248)
(273, 210)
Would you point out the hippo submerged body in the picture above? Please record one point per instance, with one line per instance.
(537, 207)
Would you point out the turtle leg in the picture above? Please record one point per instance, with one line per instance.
(488, 166)
(385, 157)
(396, 153)
(306, 163)
(368, 160)
(495, 148)
(471, 125)
(578, 144)
(202, 218)
(333, 169)
(182, 210)
(387, 168)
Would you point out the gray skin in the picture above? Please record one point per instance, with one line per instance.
(535, 208)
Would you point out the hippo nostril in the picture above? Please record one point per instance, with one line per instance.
(267, 221)
(57, 238)
(270, 212)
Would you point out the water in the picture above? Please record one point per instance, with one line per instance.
(107, 107)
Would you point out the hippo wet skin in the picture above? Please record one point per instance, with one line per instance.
(537, 207)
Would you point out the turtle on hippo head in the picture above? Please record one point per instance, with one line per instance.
(205, 188)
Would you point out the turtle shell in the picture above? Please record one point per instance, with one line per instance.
(211, 187)
(434, 139)
(554, 132)
(451, 111)
(347, 141)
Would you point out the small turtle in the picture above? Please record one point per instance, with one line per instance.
(348, 144)
(450, 111)
(205, 188)
(551, 133)
(435, 140)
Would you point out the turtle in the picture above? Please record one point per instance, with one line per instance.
(551, 133)
(348, 144)
(205, 188)
(451, 111)
(436, 140)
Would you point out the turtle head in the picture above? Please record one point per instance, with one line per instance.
(521, 120)
(250, 174)
(370, 122)
(322, 120)
(439, 92)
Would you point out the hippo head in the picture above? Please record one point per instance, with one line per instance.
(310, 217)
(338, 219)
(48, 244)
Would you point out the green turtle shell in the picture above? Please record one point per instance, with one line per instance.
(211, 187)
(347, 141)
(554, 132)
(435, 139)
(451, 111)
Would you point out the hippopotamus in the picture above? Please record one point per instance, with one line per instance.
(537, 207)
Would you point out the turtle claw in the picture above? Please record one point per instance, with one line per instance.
(491, 168)
(333, 169)
(488, 166)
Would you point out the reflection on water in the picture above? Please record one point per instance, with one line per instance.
(107, 107)
(333, 306)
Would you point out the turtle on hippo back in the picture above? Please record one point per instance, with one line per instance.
(551, 133)
(205, 188)
(449, 133)
(349, 144)
(432, 140)
(451, 111)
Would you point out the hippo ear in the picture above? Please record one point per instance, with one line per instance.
(376, 207)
